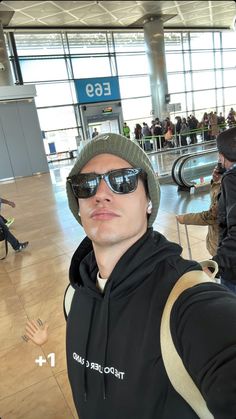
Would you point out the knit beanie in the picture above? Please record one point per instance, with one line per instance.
(128, 150)
(226, 144)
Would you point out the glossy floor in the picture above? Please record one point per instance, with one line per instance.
(32, 285)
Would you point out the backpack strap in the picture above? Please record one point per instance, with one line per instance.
(68, 296)
(176, 371)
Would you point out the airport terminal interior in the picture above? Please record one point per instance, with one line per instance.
(53, 45)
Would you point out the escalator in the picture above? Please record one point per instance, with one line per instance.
(194, 169)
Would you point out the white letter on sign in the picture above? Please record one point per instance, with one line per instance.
(98, 89)
(107, 89)
(89, 90)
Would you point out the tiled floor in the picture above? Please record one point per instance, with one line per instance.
(32, 285)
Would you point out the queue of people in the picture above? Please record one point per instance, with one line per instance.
(183, 131)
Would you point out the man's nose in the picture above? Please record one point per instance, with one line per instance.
(103, 191)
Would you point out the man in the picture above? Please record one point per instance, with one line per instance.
(122, 273)
(226, 252)
(16, 245)
(95, 133)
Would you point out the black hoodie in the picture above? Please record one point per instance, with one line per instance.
(114, 360)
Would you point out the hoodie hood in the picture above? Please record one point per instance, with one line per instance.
(153, 248)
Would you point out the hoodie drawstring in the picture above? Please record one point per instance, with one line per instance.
(106, 315)
(86, 351)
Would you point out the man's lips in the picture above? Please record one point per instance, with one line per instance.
(103, 214)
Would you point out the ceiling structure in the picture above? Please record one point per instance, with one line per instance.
(119, 14)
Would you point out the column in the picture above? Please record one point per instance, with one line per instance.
(5, 69)
(155, 49)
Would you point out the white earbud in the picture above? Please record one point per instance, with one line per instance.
(149, 207)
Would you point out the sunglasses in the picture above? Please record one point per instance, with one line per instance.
(120, 181)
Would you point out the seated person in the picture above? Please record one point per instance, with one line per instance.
(16, 245)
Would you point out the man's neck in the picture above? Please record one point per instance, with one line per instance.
(108, 256)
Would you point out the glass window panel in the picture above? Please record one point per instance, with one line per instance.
(218, 59)
(137, 108)
(229, 77)
(87, 43)
(219, 78)
(129, 41)
(174, 62)
(189, 104)
(229, 58)
(134, 86)
(38, 44)
(179, 98)
(203, 80)
(132, 64)
(202, 60)
(188, 80)
(176, 83)
(230, 95)
(86, 67)
(205, 100)
(43, 69)
(187, 61)
(201, 40)
(185, 39)
(219, 96)
(228, 39)
(64, 140)
(53, 94)
(173, 41)
(57, 118)
(217, 41)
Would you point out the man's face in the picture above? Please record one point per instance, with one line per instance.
(109, 218)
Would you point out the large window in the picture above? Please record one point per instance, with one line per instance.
(201, 72)
(201, 65)
(43, 69)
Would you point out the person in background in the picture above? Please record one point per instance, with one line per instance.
(184, 132)
(209, 217)
(16, 245)
(126, 130)
(226, 251)
(8, 221)
(214, 128)
(122, 274)
(95, 133)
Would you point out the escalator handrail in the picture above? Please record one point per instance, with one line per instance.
(179, 180)
(173, 174)
(180, 174)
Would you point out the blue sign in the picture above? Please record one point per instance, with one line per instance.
(100, 89)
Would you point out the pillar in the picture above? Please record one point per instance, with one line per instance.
(155, 49)
(5, 69)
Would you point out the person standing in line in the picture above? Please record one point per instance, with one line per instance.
(126, 130)
(16, 245)
(122, 274)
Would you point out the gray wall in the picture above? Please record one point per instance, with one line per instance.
(21, 144)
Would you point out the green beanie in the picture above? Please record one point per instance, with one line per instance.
(128, 150)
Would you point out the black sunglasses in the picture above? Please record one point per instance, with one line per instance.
(120, 181)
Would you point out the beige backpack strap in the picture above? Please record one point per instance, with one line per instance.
(176, 371)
